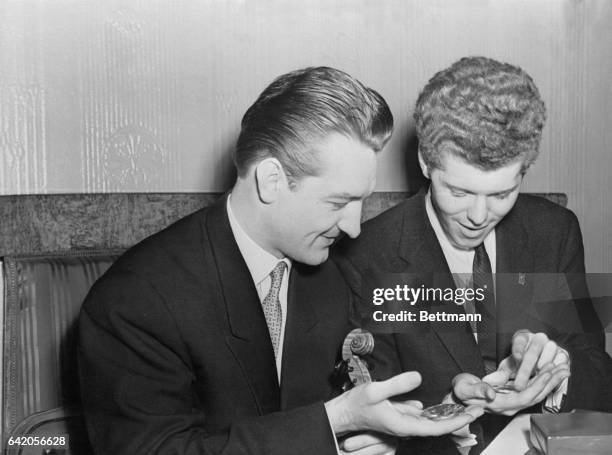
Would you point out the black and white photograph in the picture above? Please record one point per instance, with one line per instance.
(282, 227)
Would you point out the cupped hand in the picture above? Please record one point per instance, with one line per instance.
(369, 407)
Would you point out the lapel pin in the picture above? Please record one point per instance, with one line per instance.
(521, 279)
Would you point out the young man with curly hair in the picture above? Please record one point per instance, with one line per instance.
(479, 124)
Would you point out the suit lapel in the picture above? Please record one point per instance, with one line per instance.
(249, 339)
(300, 325)
(317, 322)
(514, 286)
(420, 249)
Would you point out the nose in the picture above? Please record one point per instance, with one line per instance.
(477, 211)
(350, 222)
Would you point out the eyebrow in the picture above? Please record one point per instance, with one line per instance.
(345, 196)
(497, 193)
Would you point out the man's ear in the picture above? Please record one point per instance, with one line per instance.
(424, 168)
(269, 178)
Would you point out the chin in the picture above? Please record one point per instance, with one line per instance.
(468, 244)
(317, 258)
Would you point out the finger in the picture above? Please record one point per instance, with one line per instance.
(401, 383)
(548, 353)
(527, 397)
(530, 359)
(406, 407)
(416, 403)
(376, 449)
(362, 440)
(467, 390)
(475, 411)
(498, 377)
(537, 387)
(465, 378)
(477, 402)
(428, 427)
(547, 368)
(483, 391)
(505, 371)
(520, 340)
(488, 392)
(561, 357)
(558, 375)
(463, 385)
(508, 366)
(359, 441)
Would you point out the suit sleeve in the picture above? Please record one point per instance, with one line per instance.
(591, 367)
(136, 386)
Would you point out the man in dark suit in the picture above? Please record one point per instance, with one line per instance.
(219, 334)
(479, 125)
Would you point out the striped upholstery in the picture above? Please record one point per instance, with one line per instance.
(43, 298)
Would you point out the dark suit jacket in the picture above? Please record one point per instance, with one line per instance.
(175, 355)
(537, 243)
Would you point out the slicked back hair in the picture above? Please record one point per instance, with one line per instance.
(486, 112)
(299, 109)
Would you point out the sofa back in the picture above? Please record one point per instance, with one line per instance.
(68, 222)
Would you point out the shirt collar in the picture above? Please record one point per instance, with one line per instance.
(259, 262)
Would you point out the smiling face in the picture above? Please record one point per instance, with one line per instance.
(470, 201)
(310, 214)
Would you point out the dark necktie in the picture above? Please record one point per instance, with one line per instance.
(482, 278)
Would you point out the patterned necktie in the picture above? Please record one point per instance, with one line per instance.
(482, 277)
(272, 307)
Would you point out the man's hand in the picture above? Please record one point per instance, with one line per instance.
(530, 353)
(470, 388)
(369, 443)
(367, 407)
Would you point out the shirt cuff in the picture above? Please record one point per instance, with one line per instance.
(462, 437)
(554, 400)
(332, 430)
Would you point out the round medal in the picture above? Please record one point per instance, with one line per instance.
(443, 411)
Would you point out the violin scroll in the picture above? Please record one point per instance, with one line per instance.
(353, 370)
(361, 342)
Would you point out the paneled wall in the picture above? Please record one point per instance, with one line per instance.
(147, 95)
